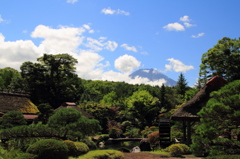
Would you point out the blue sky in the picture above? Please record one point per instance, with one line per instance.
(112, 38)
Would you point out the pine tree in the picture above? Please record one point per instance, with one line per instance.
(181, 86)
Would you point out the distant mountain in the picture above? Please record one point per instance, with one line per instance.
(153, 75)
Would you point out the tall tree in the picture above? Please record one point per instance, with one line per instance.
(7, 76)
(220, 122)
(223, 60)
(181, 86)
(52, 80)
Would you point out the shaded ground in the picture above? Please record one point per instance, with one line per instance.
(145, 155)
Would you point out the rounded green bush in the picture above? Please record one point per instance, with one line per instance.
(176, 150)
(72, 150)
(81, 148)
(49, 149)
(92, 145)
(186, 148)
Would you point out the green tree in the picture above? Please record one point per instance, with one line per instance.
(12, 119)
(220, 122)
(181, 86)
(142, 108)
(223, 60)
(45, 112)
(71, 124)
(52, 80)
(7, 76)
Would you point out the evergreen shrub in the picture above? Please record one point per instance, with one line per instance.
(176, 150)
(91, 144)
(49, 149)
(81, 147)
(102, 154)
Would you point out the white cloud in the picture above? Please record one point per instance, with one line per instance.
(177, 66)
(110, 11)
(91, 31)
(198, 35)
(111, 45)
(72, 1)
(129, 48)
(189, 25)
(1, 19)
(86, 26)
(14, 53)
(185, 18)
(126, 63)
(64, 39)
(174, 27)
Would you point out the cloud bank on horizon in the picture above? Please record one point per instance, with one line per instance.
(72, 40)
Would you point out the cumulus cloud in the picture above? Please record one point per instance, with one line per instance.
(174, 27)
(111, 45)
(177, 66)
(185, 18)
(117, 12)
(126, 63)
(14, 53)
(198, 35)
(179, 27)
(64, 39)
(72, 1)
(129, 48)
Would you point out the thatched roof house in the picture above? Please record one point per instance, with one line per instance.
(74, 106)
(17, 102)
(189, 110)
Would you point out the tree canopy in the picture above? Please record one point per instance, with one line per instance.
(223, 60)
(52, 80)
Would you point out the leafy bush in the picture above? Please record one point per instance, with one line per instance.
(71, 147)
(102, 154)
(178, 149)
(81, 147)
(22, 143)
(49, 149)
(26, 156)
(91, 145)
(186, 148)
(175, 150)
(148, 130)
(153, 138)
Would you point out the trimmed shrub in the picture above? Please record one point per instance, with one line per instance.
(91, 145)
(81, 147)
(49, 149)
(175, 150)
(102, 154)
(72, 150)
(186, 148)
(76, 149)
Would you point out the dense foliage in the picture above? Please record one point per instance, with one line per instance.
(49, 149)
(219, 127)
(223, 60)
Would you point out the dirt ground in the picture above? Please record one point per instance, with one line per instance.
(145, 155)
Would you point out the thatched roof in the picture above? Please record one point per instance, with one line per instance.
(74, 106)
(189, 110)
(16, 102)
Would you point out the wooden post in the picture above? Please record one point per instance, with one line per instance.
(188, 133)
(184, 130)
